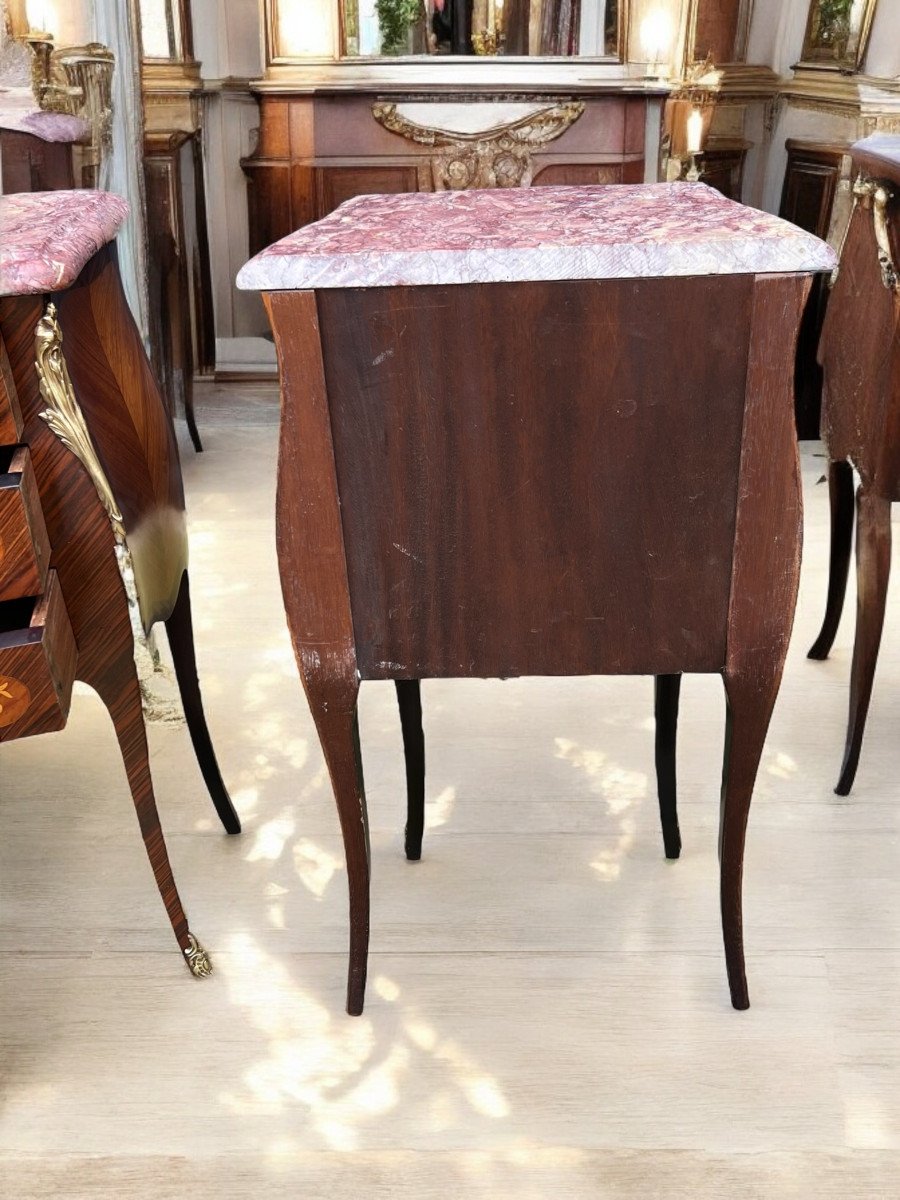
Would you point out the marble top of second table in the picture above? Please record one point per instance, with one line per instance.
(540, 233)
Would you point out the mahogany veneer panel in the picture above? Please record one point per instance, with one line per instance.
(37, 664)
(459, 537)
(10, 413)
(24, 544)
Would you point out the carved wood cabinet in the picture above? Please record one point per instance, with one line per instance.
(316, 151)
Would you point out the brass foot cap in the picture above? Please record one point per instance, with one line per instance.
(197, 959)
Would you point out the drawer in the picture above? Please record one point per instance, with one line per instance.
(24, 544)
(37, 664)
(10, 414)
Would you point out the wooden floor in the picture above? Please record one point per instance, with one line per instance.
(547, 1015)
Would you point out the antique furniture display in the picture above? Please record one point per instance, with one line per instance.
(860, 356)
(497, 509)
(811, 179)
(93, 542)
(182, 333)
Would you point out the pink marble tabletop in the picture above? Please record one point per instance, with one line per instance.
(46, 238)
(885, 145)
(505, 235)
(20, 114)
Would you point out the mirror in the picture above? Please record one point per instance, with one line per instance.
(837, 33)
(161, 30)
(378, 28)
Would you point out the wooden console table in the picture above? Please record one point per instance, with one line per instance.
(518, 439)
(860, 356)
(93, 541)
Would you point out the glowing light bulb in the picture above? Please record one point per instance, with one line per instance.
(656, 36)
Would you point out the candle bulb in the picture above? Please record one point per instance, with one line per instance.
(37, 16)
(694, 131)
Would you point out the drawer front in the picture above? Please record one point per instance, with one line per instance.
(10, 414)
(38, 656)
(24, 544)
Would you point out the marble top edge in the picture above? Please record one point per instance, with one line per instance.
(47, 238)
(519, 235)
(884, 145)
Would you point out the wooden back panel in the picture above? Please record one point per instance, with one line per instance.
(538, 478)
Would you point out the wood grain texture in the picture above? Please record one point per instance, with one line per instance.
(135, 441)
(316, 596)
(765, 579)
(130, 427)
(491, 522)
(37, 667)
(860, 356)
(83, 557)
(10, 416)
(24, 544)
(493, 510)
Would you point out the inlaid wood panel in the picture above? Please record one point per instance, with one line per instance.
(10, 413)
(515, 518)
(37, 664)
(24, 544)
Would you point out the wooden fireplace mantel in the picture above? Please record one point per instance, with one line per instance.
(323, 138)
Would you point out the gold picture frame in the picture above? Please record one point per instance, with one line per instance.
(837, 34)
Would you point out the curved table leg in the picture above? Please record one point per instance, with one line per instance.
(120, 692)
(873, 568)
(840, 491)
(179, 628)
(338, 729)
(750, 700)
(409, 699)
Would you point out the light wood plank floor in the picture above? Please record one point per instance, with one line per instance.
(547, 1012)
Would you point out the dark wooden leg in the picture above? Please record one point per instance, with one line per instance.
(189, 403)
(179, 629)
(409, 698)
(873, 568)
(339, 735)
(667, 693)
(121, 694)
(840, 490)
(750, 700)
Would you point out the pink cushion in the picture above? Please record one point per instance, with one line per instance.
(504, 235)
(46, 238)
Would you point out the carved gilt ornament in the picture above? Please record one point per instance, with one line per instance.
(499, 156)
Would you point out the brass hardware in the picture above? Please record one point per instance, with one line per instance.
(498, 157)
(197, 959)
(64, 416)
(877, 196)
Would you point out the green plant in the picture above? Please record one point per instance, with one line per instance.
(394, 19)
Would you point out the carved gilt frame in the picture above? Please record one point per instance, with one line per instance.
(846, 61)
